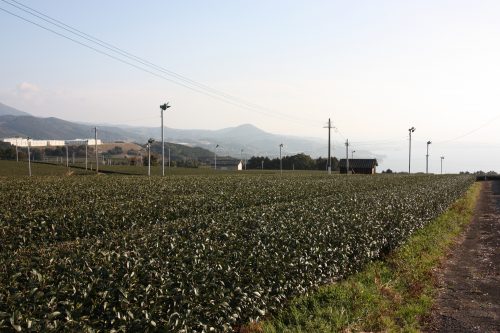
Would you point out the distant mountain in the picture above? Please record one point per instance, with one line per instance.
(54, 128)
(252, 140)
(8, 110)
(232, 140)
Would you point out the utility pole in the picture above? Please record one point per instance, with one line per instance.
(215, 157)
(329, 162)
(96, 157)
(427, 158)
(150, 141)
(262, 164)
(442, 158)
(67, 157)
(163, 108)
(281, 164)
(17, 152)
(169, 157)
(347, 156)
(241, 157)
(411, 130)
(29, 155)
(86, 146)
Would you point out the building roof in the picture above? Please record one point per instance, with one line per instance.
(359, 163)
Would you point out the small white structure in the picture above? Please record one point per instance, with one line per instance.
(240, 166)
(81, 142)
(55, 143)
(23, 142)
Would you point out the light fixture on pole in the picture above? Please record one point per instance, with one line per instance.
(215, 157)
(427, 158)
(442, 158)
(352, 154)
(150, 141)
(163, 108)
(86, 147)
(29, 156)
(410, 130)
(281, 164)
(17, 152)
(347, 156)
(96, 152)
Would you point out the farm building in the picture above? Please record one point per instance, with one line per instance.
(359, 166)
(227, 163)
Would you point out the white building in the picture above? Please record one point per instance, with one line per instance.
(23, 142)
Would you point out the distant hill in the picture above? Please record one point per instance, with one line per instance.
(232, 140)
(252, 140)
(54, 128)
(8, 110)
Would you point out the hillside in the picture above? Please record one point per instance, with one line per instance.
(54, 128)
(8, 110)
(231, 141)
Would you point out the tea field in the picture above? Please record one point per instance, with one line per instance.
(196, 252)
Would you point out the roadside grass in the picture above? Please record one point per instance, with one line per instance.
(392, 294)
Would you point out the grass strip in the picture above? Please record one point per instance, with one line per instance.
(393, 294)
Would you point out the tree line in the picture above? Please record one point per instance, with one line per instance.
(293, 162)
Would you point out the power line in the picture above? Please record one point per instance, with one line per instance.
(470, 132)
(186, 82)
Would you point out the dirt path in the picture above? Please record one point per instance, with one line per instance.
(469, 297)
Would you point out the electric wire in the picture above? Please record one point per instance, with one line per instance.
(207, 90)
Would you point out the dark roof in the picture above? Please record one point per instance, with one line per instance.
(359, 163)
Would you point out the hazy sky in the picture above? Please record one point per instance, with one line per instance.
(375, 67)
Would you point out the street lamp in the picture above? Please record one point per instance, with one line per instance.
(150, 141)
(427, 158)
(281, 164)
(86, 147)
(411, 130)
(241, 159)
(163, 108)
(215, 157)
(442, 158)
(29, 156)
(352, 154)
(17, 152)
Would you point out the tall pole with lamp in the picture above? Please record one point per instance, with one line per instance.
(410, 130)
(163, 108)
(427, 158)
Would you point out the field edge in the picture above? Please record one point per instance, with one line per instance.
(394, 294)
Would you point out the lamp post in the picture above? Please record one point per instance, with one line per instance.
(96, 152)
(281, 164)
(163, 108)
(17, 152)
(86, 147)
(411, 130)
(150, 141)
(29, 156)
(442, 158)
(427, 158)
(241, 157)
(352, 154)
(215, 157)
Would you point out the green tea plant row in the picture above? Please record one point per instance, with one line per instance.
(216, 270)
(40, 213)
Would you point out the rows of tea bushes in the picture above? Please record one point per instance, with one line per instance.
(65, 209)
(209, 269)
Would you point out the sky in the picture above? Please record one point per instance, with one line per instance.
(376, 68)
